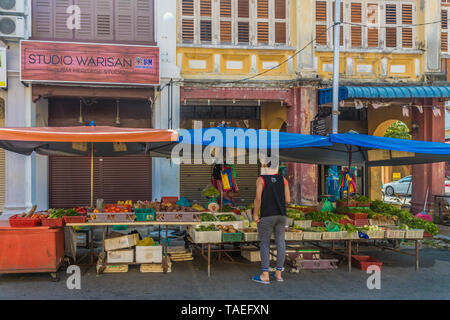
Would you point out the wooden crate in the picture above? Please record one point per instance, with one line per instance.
(116, 268)
(155, 267)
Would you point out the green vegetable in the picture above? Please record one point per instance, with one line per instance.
(71, 212)
(226, 217)
(210, 192)
(211, 227)
(208, 217)
(362, 199)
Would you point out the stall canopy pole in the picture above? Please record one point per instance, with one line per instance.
(92, 174)
(349, 172)
(337, 29)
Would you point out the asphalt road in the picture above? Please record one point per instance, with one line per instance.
(188, 280)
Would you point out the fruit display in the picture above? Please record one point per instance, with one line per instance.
(226, 217)
(226, 229)
(210, 192)
(211, 227)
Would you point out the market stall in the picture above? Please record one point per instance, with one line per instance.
(82, 140)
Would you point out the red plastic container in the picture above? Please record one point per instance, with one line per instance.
(427, 235)
(59, 222)
(123, 207)
(363, 262)
(317, 224)
(356, 216)
(26, 250)
(361, 222)
(74, 219)
(172, 200)
(18, 222)
(345, 221)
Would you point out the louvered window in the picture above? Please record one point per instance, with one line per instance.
(407, 21)
(356, 28)
(122, 21)
(341, 28)
(226, 21)
(391, 28)
(373, 31)
(444, 29)
(246, 22)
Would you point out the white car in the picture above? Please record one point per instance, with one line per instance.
(404, 187)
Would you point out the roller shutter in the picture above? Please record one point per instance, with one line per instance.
(195, 177)
(115, 178)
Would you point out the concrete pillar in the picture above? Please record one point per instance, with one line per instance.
(303, 178)
(430, 176)
(304, 23)
(165, 174)
(432, 12)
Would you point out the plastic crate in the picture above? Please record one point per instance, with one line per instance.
(74, 219)
(205, 236)
(52, 222)
(250, 236)
(363, 262)
(427, 235)
(185, 216)
(395, 234)
(172, 200)
(414, 234)
(331, 235)
(121, 217)
(375, 234)
(361, 222)
(17, 221)
(345, 221)
(345, 235)
(232, 237)
(317, 264)
(312, 235)
(166, 216)
(317, 224)
(293, 236)
(123, 207)
(303, 223)
(357, 216)
(144, 214)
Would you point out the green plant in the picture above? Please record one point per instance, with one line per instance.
(362, 199)
(211, 227)
(207, 217)
(398, 130)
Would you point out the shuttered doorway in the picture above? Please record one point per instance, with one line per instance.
(195, 177)
(115, 178)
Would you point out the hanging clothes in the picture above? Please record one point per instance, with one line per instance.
(332, 183)
(347, 181)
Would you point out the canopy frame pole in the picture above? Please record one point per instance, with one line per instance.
(337, 29)
(92, 174)
(349, 171)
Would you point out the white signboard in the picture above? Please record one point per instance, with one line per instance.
(3, 74)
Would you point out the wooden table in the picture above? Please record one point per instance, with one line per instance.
(134, 223)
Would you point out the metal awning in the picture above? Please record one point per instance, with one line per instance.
(348, 92)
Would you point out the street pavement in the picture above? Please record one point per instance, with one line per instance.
(231, 280)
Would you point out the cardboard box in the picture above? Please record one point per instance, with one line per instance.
(116, 268)
(148, 254)
(122, 242)
(121, 256)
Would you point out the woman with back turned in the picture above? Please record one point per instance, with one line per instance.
(272, 195)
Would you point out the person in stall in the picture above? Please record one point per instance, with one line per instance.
(272, 196)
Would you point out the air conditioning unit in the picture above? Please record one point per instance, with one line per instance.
(12, 27)
(12, 6)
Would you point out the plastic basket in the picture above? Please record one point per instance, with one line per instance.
(361, 222)
(121, 217)
(231, 237)
(331, 235)
(74, 219)
(317, 224)
(345, 235)
(166, 216)
(375, 234)
(363, 262)
(303, 223)
(172, 200)
(331, 227)
(363, 204)
(185, 216)
(144, 214)
(17, 221)
(356, 216)
(123, 207)
(395, 234)
(414, 234)
(293, 236)
(312, 235)
(250, 236)
(52, 222)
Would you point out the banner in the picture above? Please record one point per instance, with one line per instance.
(3, 66)
(75, 62)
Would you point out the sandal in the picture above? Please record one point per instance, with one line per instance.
(259, 280)
(272, 276)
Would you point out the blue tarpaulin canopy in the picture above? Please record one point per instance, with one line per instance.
(348, 92)
(332, 150)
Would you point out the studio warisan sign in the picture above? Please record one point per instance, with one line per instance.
(46, 61)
